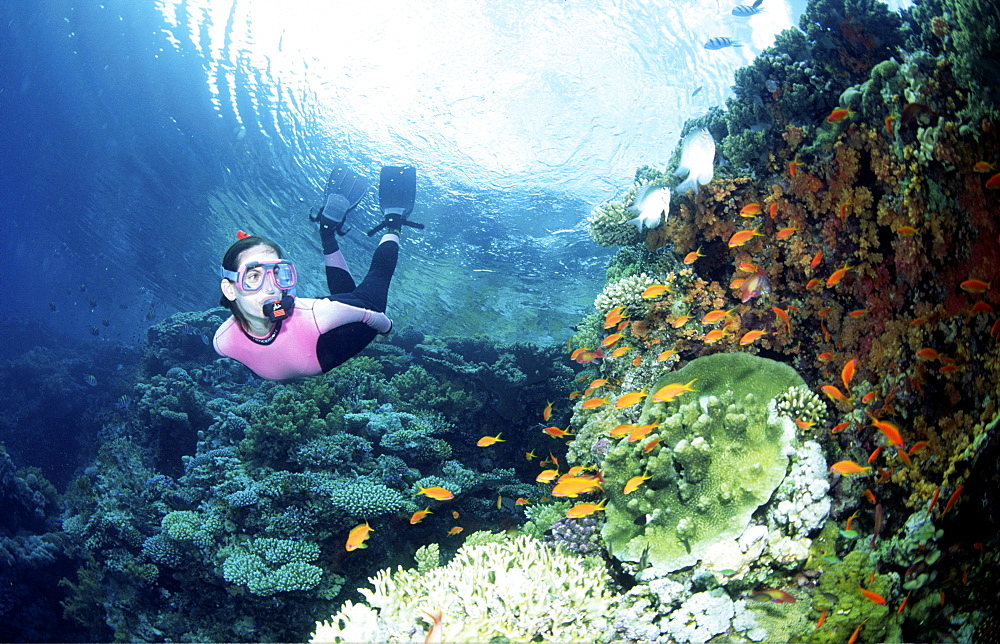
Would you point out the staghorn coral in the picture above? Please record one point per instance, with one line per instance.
(517, 590)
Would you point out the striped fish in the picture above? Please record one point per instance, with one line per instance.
(721, 42)
(745, 11)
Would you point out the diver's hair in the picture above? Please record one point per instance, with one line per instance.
(231, 262)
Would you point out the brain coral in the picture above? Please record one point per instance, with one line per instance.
(723, 451)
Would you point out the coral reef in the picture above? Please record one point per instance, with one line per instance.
(519, 590)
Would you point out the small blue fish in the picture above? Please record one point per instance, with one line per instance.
(745, 11)
(721, 42)
(90, 380)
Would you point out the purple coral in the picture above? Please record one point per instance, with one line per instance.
(579, 536)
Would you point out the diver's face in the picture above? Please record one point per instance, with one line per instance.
(252, 304)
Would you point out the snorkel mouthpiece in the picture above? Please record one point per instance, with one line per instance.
(278, 309)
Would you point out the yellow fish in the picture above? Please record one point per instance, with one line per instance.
(436, 493)
(634, 483)
(669, 392)
(581, 510)
(547, 475)
(486, 441)
(358, 535)
(629, 399)
(655, 290)
(575, 486)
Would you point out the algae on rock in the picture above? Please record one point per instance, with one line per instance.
(723, 451)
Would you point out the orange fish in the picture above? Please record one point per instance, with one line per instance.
(529, 455)
(902, 604)
(813, 283)
(436, 633)
(784, 317)
(833, 393)
(803, 424)
(857, 631)
(903, 456)
(773, 210)
(868, 397)
(634, 483)
(436, 493)
(858, 313)
(681, 321)
(666, 355)
(993, 183)
(611, 340)
(874, 455)
(928, 354)
(750, 210)
(982, 166)
(655, 290)
(546, 475)
(629, 399)
(980, 307)
(825, 356)
(822, 618)
(785, 233)
(868, 494)
(613, 317)
(906, 231)
(714, 316)
(620, 351)
(891, 431)
(847, 373)
(875, 597)
(575, 486)
(751, 336)
(455, 514)
(640, 432)
(817, 258)
(555, 432)
(714, 336)
(419, 515)
(952, 499)
(742, 237)
(888, 123)
(839, 428)
(581, 510)
(843, 211)
(919, 445)
(838, 115)
(586, 356)
(669, 392)
(793, 169)
(594, 403)
(358, 535)
(622, 430)
(521, 501)
(837, 276)
(598, 382)
(547, 412)
(846, 468)
(747, 268)
(974, 286)
(456, 530)
(650, 445)
(691, 257)
(486, 441)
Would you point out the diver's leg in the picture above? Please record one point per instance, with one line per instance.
(374, 288)
(338, 276)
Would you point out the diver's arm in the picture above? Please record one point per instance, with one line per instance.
(331, 314)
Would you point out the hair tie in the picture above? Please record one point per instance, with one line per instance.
(242, 235)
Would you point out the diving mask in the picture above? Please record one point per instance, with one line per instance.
(250, 278)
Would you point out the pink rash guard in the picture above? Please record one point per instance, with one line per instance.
(292, 353)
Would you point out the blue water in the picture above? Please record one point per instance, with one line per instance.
(138, 137)
(141, 136)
